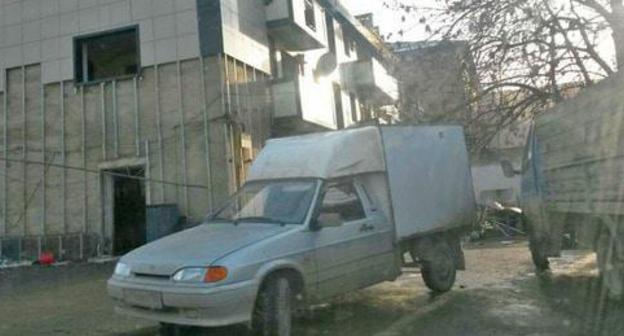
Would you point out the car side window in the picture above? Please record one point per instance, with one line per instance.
(342, 200)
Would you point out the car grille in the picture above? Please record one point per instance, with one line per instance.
(152, 276)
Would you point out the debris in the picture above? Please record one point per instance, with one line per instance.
(498, 220)
(102, 260)
(6, 263)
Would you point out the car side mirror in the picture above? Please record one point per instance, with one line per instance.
(326, 220)
(508, 169)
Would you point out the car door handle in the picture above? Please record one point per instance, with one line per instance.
(367, 228)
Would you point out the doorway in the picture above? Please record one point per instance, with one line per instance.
(127, 198)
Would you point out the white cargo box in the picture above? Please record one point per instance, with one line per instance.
(427, 169)
(429, 176)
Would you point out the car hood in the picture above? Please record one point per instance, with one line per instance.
(197, 247)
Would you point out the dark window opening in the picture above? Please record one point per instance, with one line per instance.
(338, 106)
(301, 65)
(354, 114)
(107, 56)
(274, 58)
(331, 33)
(349, 43)
(310, 16)
(343, 200)
(288, 67)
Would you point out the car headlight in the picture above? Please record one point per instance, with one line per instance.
(201, 274)
(122, 270)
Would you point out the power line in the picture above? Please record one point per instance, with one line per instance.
(105, 172)
(32, 194)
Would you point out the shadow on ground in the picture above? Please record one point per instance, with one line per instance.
(498, 295)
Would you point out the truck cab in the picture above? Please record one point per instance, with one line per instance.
(532, 197)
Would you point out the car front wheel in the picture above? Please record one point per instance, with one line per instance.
(273, 313)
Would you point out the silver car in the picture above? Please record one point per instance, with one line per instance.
(261, 242)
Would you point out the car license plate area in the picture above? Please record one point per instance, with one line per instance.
(143, 298)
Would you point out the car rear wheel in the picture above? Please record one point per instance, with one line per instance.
(438, 267)
(273, 313)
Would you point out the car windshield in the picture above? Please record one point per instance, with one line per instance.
(282, 202)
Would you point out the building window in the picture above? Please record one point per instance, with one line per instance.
(354, 107)
(107, 55)
(338, 108)
(331, 33)
(310, 16)
(349, 45)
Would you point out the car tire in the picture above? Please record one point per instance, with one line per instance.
(167, 329)
(439, 269)
(273, 312)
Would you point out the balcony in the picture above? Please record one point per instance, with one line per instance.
(296, 25)
(296, 112)
(370, 79)
(286, 102)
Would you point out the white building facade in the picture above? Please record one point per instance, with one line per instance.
(113, 109)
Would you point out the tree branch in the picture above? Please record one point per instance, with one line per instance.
(597, 7)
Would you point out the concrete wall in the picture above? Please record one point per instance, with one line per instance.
(59, 138)
(42, 31)
(183, 117)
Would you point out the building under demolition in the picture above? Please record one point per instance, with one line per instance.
(112, 110)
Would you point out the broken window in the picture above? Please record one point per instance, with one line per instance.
(310, 16)
(107, 55)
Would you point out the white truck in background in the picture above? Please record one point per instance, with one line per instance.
(320, 215)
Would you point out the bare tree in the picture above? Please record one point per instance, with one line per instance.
(527, 52)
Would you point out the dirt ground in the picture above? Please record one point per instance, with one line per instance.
(498, 295)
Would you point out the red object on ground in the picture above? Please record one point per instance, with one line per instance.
(46, 258)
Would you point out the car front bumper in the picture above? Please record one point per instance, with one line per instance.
(184, 305)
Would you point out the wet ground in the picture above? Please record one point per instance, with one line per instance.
(498, 295)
